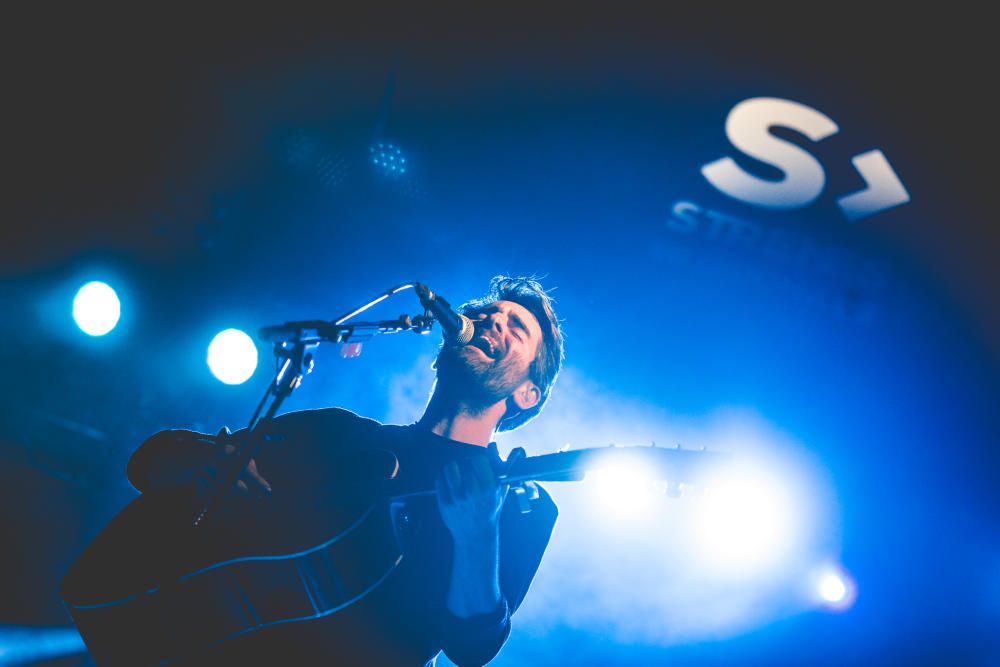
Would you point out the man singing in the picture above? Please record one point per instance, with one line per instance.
(469, 556)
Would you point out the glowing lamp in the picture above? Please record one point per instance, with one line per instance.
(232, 356)
(834, 588)
(96, 308)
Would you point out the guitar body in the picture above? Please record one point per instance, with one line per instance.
(261, 575)
(152, 589)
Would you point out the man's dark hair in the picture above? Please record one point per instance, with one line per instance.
(529, 293)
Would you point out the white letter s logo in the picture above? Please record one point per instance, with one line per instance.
(747, 128)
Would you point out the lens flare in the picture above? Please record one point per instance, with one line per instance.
(624, 489)
(745, 522)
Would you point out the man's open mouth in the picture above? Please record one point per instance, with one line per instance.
(486, 346)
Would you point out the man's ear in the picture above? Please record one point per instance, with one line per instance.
(527, 395)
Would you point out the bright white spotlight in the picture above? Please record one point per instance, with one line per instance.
(834, 588)
(745, 522)
(232, 356)
(624, 488)
(96, 308)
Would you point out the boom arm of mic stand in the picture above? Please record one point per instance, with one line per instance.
(291, 342)
(297, 363)
(314, 332)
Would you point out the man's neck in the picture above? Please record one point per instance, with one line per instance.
(458, 422)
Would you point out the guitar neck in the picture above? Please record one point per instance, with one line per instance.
(674, 465)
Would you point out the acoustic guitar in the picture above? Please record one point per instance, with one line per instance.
(152, 589)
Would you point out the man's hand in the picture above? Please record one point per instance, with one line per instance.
(197, 461)
(470, 499)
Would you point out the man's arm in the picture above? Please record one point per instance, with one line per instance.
(470, 500)
(175, 458)
(477, 615)
(475, 640)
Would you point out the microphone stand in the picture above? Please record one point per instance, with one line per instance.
(292, 344)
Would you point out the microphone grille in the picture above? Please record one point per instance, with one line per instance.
(468, 329)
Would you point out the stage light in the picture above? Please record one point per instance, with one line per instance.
(624, 489)
(745, 522)
(232, 356)
(21, 645)
(388, 158)
(834, 588)
(96, 308)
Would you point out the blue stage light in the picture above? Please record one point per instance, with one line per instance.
(232, 356)
(624, 489)
(834, 588)
(388, 158)
(96, 308)
(746, 522)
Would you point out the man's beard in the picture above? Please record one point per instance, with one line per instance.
(477, 382)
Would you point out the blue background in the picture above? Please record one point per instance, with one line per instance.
(221, 177)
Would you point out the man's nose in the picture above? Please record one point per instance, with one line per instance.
(498, 321)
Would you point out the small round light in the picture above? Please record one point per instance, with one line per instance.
(232, 356)
(832, 588)
(96, 308)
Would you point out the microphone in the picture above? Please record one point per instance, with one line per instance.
(457, 328)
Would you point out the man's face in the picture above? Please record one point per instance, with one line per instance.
(499, 357)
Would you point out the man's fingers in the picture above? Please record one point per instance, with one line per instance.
(471, 479)
(250, 480)
(516, 454)
(257, 477)
(485, 479)
(252, 487)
